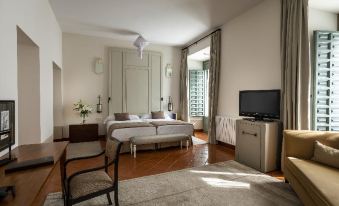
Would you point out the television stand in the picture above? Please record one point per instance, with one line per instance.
(9, 158)
(258, 119)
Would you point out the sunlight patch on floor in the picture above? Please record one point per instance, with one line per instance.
(217, 182)
(225, 173)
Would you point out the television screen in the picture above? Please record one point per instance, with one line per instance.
(260, 103)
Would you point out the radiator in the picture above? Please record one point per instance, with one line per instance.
(226, 129)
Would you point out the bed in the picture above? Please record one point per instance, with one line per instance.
(124, 130)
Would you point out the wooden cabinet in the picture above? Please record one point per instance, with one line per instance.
(258, 144)
(83, 132)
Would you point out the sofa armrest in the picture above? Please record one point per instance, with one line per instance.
(300, 144)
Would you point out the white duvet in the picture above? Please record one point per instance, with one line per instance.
(125, 134)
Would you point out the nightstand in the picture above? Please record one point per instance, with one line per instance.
(83, 132)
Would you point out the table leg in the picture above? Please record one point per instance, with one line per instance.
(63, 172)
(135, 151)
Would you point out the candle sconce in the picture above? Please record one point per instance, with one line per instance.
(99, 105)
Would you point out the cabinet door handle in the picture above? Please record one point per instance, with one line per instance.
(253, 134)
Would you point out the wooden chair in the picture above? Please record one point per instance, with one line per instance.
(90, 183)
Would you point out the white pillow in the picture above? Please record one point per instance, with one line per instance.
(146, 116)
(112, 118)
(133, 117)
(109, 118)
(168, 116)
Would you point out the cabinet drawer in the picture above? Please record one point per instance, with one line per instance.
(248, 146)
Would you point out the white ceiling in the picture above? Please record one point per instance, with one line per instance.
(170, 22)
(325, 5)
(201, 55)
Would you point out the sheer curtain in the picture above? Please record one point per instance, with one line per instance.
(183, 104)
(213, 84)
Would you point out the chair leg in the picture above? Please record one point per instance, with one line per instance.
(109, 199)
(180, 144)
(131, 148)
(116, 199)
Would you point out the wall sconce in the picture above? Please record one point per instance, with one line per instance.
(170, 104)
(99, 66)
(168, 70)
(99, 105)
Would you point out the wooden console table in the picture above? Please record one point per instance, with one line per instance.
(29, 183)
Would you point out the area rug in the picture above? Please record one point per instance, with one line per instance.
(197, 141)
(225, 183)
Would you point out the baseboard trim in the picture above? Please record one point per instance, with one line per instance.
(226, 145)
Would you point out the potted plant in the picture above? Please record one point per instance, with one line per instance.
(83, 109)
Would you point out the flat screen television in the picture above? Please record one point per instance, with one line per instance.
(260, 104)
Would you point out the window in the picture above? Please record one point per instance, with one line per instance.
(197, 92)
(326, 81)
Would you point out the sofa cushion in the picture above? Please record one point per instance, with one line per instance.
(320, 181)
(326, 155)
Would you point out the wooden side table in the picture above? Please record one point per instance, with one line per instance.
(83, 132)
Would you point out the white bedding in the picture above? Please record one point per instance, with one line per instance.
(126, 133)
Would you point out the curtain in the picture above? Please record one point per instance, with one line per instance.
(213, 84)
(183, 104)
(295, 64)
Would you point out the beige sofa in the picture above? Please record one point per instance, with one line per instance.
(315, 183)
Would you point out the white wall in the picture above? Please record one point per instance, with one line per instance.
(250, 56)
(37, 20)
(57, 96)
(321, 20)
(28, 94)
(80, 82)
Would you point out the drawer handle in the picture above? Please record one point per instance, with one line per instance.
(253, 134)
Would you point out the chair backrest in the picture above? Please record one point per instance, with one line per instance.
(112, 149)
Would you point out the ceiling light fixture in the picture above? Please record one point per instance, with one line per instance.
(140, 43)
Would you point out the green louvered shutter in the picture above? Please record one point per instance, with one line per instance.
(326, 81)
(197, 92)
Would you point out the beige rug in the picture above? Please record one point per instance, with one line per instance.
(197, 141)
(225, 183)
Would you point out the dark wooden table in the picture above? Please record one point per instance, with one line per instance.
(83, 132)
(29, 183)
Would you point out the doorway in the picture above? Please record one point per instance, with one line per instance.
(58, 117)
(198, 67)
(29, 129)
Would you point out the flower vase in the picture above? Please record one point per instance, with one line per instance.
(83, 120)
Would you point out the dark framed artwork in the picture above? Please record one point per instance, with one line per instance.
(7, 123)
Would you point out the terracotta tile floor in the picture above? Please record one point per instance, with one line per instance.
(155, 162)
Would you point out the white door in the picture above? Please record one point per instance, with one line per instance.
(135, 84)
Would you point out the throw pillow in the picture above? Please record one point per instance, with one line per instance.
(121, 116)
(158, 115)
(326, 155)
